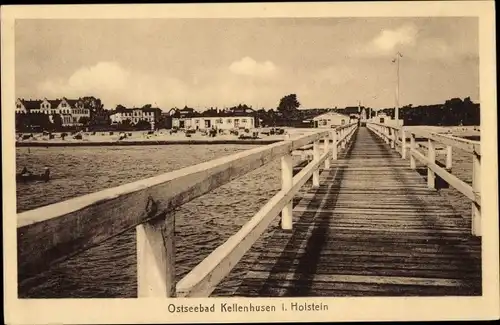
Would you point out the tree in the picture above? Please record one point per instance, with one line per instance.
(288, 104)
(125, 125)
(143, 125)
(39, 121)
(147, 106)
(100, 119)
(288, 109)
(57, 122)
(22, 122)
(92, 103)
(84, 120)
(120, 107)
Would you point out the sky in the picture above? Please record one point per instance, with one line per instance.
(327, 62)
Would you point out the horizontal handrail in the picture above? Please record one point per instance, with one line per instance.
(391, 135)
(470, 146)
(53, 233)
(451, 179)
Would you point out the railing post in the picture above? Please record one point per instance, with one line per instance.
(403, 143)
(342, 143)
(413, 165)
(386, 132)
(316, 156)
(156, 258)
(476, 188)
(449, 157)
(393, 138)
(325, 150)
(334, 145)
(431, 156)
(286, 185)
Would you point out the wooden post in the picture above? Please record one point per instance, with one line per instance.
(156, 258)
(386, 132)
(316, 156)
(431, 156)
(476, 188)
(403, 143)
(413, 165)
(393, 138)
(286, 185)
(325, 150)
(449, 157)
(334, 145)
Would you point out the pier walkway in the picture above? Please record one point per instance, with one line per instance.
(372, 228)
(370, 225)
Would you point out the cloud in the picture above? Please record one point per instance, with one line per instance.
(389, 39)
(250, 67)
(115, 85)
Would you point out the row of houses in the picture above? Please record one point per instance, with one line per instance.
(70, 110)
(188, 118)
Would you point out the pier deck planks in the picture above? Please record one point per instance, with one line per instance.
(372, 228)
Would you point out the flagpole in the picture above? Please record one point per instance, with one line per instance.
(396, 113)
(397, 93)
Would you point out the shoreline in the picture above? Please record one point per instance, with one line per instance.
(142, 143)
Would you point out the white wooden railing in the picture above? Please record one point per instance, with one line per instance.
(397, 137)
(53, 233)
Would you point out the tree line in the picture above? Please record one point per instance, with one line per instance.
(454, 111)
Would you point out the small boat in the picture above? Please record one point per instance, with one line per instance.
(27, 176)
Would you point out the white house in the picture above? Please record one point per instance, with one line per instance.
(223, 122)
(237, 118)
(182, 118)
(134, 115)
(182, 122)
(383, 118)
(330, 119)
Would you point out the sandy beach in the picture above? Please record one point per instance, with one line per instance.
(158, 138)
(165, 137)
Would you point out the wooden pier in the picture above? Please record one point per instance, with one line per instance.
(370, 226)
